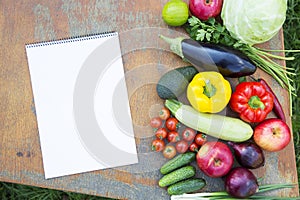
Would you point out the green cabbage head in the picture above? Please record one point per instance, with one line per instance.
(253, 21)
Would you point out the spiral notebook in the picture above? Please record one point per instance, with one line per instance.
(81, 104)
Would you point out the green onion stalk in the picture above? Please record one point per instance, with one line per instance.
(225, 196)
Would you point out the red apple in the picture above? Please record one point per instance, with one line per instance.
(272, 134)
(204, 9)
(214, 159)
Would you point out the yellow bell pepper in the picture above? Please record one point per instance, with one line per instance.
(209, 92)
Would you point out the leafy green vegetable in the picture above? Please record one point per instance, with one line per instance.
(254, 21)
(212, 31)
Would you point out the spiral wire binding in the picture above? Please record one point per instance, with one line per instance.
(73, 39)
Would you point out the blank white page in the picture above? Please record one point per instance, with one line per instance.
(78, 86)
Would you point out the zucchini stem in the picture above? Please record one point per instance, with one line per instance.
(173, 105)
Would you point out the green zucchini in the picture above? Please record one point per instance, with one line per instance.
(178, 161)
(177, 175)
(218, 126)
(186, 186)
(173, 83)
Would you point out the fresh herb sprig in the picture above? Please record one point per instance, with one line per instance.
(214, 32)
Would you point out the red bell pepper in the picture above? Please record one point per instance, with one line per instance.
(252, 101)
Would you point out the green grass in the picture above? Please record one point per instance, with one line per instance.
(292, 41)
(11, 191)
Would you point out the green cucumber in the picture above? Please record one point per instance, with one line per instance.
(218, 126)
(173, 83)
(177, 175)
(186, 186)
(178, 161)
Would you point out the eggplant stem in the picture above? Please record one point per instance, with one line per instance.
(175, 44)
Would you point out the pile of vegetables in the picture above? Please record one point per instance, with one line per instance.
(195, 131)
(240, 26)
(222, 35)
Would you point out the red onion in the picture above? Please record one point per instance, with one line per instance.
(241, 183)
(248, 154)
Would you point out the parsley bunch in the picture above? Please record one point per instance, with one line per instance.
(214, 32)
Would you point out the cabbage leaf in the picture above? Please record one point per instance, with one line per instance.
(253, 21)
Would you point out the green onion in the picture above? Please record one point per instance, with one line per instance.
(225, 196)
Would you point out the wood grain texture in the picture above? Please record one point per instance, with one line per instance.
(145, 59)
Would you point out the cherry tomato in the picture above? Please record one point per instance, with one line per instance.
(164, 113)
(158, 145)
(169, 152)
(194, 147)
(172, 124)
(161, 133)
(182, 146)
(200, 139)
(188, 134)
(173, 136)
(156, 122)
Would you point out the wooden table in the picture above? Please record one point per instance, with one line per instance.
(145, 59)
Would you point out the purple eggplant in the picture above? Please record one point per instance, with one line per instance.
(241, 183)
(248, 154)
(211, 57)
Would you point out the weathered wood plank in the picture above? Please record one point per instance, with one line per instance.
(145, 58)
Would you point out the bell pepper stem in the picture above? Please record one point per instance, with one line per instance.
(255, 102)
(209, 89)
